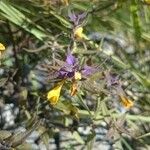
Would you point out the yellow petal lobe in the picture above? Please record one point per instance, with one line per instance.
(2, 47)
(127, 103)
(78, 33)
(77, 76)
(54, 94)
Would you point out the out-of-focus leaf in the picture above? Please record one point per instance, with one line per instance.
(3, 81)
(82, 6)
(104, 108)
(45, 138)
(4, 134)
(127, 145)
(68, 108)
(25, 146)
(141, 78)
(18, 138)
(136, 20)
(144, 135)
(91, 141)
(78, 137)
(90, 137)
(98, 108)
(81, 101)
(16, 17)
(61, 19)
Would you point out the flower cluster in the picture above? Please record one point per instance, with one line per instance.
(70, 70)
(74, 72)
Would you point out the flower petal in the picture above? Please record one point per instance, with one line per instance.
(54, 94)
(2, 47)
(71, 60)
(72, 16)
(77, 76)
(74, 88)
(78, 33)
(127, 103)
(88, 70)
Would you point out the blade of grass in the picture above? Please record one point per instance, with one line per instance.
(84, 105)
(16, 17)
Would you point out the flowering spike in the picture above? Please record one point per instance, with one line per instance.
(54, 94)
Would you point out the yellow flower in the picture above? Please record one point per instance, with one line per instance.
(54, 94)
(77, 76)
(78, 33)
(127, 103)
(2, 47)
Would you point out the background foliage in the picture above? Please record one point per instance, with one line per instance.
(35, 33)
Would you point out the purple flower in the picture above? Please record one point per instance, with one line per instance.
(70, 60)
(111, 79)
(88, 70)
(77, 19)
(71, 67)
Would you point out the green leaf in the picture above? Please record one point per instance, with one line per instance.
(68, 108)
(18, 18)
(45, 138)
(78, 137)
(127, 145)
(90, 140)
(61, 19)
(104, 108)
(24, 146)
(3, 81)
(136, 20)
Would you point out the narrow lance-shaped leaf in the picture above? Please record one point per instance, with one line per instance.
(18, 18)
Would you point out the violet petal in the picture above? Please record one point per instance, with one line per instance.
(70, 74)
(71, 60)
(111, 79)
(88, 70)
(72, 16)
